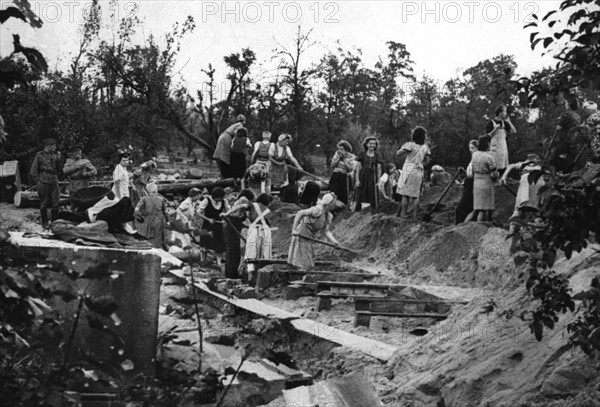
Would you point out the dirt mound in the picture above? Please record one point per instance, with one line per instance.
(489, 357)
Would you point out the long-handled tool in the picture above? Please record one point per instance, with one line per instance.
(328, 244)
(305, 173)
(509, 189)
(427, 216)
(234, 228)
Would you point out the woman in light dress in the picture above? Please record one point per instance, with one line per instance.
(498, 129)
(311, 222)
(484, 175)
(410, 184)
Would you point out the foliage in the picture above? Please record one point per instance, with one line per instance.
(570, 203)
(567, 220)
(574, 39)
(37, 339)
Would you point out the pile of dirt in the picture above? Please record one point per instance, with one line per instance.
(484, 354)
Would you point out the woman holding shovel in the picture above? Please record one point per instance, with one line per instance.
(210, 210)
(234, 223)
(259, 243)
(308, 225)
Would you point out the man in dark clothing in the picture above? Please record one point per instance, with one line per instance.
(44, 170)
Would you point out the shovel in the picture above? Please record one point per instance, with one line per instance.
(234, 228)
(427, 217)
(328, 244)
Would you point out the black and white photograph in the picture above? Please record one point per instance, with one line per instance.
(305, 203)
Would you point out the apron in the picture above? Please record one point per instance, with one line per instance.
(258, 242)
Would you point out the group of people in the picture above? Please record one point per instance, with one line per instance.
(490, 164)
(268, 167)
(45, 171)
(371, 179)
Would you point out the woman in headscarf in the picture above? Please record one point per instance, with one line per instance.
(184, 218)
(256, 178)
(210, 210)
(141, 178)
(151, 216)
(343, 166)
(236, 217)
(258, 243)
(311, 222)
(528, 198)
(278, 154)
(367, 173)
(411, 182)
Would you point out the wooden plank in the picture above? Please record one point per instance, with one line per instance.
(400, 306)
(349, 285)
(401, 315)
(262, 263)
(376, 349)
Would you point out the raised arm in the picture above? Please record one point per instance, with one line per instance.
(293, 159)
(330, 236)
(256, 147)
(335, 160)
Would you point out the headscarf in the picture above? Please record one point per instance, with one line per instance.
(345, 145)
(327, 199)
(152, 188)
(283, 137)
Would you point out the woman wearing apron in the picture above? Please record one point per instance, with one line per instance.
(258, 242)
(278, 154)
(498, 129)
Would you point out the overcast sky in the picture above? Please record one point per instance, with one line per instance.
(443, 37)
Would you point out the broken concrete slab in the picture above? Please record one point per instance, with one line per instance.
(353, 390)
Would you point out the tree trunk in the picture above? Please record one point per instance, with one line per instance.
(184, 187)
(30, 199)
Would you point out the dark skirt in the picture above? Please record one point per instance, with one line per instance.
(238, 165)
(215, 239)
(232, 242)
(339, 185)
(465, 205)
(311, 193)
(224, 169)
(366, 191)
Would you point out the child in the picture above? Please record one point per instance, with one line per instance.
(387, 182)
(528, 199)
(152, 211)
